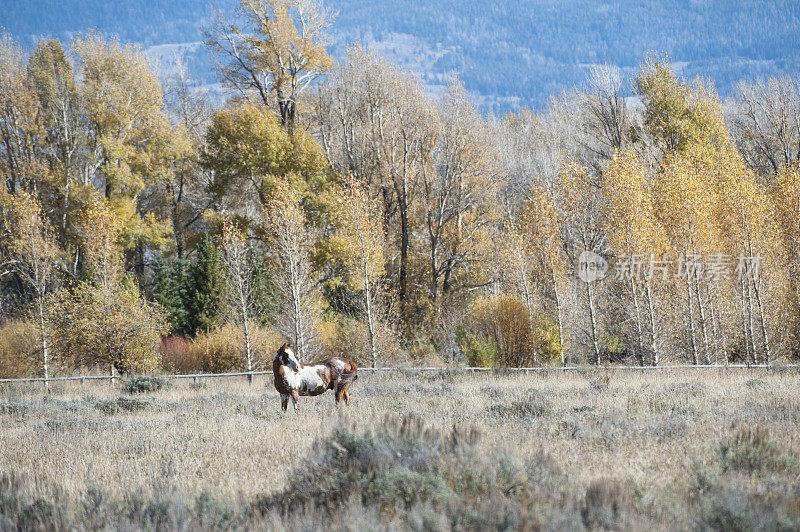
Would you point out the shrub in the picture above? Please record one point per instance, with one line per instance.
(534, 406)
(750, 450)
(144, 383)
(408, 470)
(504, 320)
(479, 351)
(181, 355)
(126, 404)
(18, 349)
(604, 505)
(220, 349)
(94, 325)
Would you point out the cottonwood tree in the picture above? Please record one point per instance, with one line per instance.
(21, 125)
(458, 197)
(53, 77)
(127, 127)
(766, 123)
(281, 51)
(249, 155)
(35, 256)
(292, 238)
(386, 133)
(607, 122)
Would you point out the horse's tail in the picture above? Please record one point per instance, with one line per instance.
(349, 374)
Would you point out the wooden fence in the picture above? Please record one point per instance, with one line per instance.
(471, 370)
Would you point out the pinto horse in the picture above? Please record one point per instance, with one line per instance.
(293, 379)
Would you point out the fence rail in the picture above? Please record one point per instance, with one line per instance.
(535, 369)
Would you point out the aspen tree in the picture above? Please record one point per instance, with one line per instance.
(363, 242)
(35, 257)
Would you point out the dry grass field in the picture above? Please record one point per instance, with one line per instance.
(595, 449)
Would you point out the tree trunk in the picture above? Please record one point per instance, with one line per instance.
(640, 353)
(691, 317)
(653, 343)
(593, 323)
(747, 354)
(765, 337)
(702, 312)
(558, 319)
(43, 332)
(751, 319)
(370, 323)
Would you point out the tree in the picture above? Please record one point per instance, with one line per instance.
(172, 289)
(35, 256)
(208, 290)
(363, 241)
(21, 128)
(281, 54)
(458, 196)
(93, 325)
(249, 155)
(577, 199)
(608, 122)
(53, 77)
(242, 285)
(292, 238)
(636, 237)
(377, 123)
(766, 123)
(127, 133)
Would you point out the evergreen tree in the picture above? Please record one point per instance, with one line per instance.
(173, 289)
(264, 291)
(207, 292)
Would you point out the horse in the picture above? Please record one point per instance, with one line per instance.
(293, 379)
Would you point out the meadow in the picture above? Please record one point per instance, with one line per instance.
(589, 449)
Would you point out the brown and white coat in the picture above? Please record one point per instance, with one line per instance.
(293, 379)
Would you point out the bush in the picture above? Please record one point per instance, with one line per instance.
(125, 404)
(408, 470)
(532, 407)
(750, 450)
(180, 355)
(18, 349)
(220, 349)
(144, 383)
(479, 351)
(102, 326)
(498, 331)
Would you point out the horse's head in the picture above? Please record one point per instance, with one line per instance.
(285, 356)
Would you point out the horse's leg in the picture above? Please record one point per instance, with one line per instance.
(339, 393)
(295, 400)
(346, 393)
(284, 401)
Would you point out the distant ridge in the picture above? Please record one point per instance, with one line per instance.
(507, 53)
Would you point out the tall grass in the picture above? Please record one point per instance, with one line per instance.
(673, 450)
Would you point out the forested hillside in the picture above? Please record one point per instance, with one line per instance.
(507, 54)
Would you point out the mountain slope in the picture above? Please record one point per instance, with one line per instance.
(507, 53)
